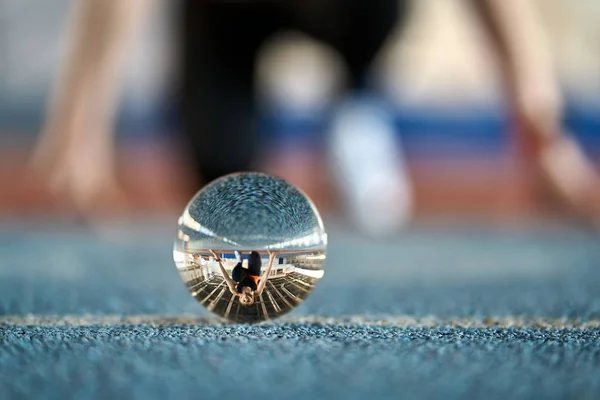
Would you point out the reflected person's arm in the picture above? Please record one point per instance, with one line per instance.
(74, 150)
(521, 41)
(265, 277)
(228, 280)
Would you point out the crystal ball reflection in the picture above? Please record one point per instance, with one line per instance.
(250, 247)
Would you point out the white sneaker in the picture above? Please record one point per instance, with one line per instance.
(369, 167)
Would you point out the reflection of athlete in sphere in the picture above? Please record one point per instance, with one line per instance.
(247, 280)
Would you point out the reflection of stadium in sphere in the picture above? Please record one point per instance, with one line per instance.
(250, 247)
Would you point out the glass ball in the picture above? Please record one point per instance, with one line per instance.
(250, 247)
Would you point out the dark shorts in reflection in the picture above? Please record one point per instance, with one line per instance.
(246, 277)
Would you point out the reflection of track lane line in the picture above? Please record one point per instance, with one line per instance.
(262, 305)
(206, 286)
(281, 296)
(358, 321)
(211, 293)
(210, 282)
(228, 310)
(301, 282)
(292, 282)
(290, 294)
(214, 302)
(204, 281)
(272, 300)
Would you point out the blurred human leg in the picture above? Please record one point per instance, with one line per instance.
(367, 161)
(220, 42)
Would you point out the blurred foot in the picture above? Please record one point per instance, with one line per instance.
(81, 176)
(369, 169)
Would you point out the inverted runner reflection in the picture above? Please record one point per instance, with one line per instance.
(246, 283)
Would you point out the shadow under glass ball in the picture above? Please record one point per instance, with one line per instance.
(250, 247)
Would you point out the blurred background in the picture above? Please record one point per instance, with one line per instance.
(90, 301)
(448, 102)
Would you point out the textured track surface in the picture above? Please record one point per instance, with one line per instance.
(456, 313)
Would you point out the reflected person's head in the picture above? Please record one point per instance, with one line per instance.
(246, 297)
